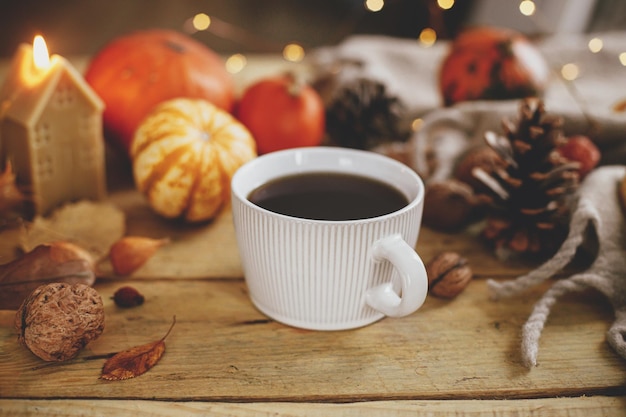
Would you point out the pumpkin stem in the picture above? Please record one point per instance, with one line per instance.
(296, 83)
(174, 46)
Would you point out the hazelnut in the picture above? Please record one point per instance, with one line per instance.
(448, 205)
(56, 321)
(448, 274)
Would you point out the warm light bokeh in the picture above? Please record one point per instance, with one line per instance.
(595, 45)
(570, 71)
(428, 37)
(201, 21)
(293, 52)
(235, 63)
(527, 7)
(374, 5)
(445, 4)
(417, 124)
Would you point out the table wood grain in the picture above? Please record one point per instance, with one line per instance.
(456, 357)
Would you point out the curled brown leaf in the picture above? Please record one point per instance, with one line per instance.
(46, 263)
(74, 222)
(136, 360)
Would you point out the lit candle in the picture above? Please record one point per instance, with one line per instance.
(51, 130)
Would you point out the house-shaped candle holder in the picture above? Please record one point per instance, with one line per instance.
(51, 132)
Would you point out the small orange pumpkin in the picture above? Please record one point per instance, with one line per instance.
(135, 72)
(184, 155)
(488, 63)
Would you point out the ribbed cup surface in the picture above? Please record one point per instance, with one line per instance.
(314, 274)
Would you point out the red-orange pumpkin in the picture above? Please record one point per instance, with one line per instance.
(488, 63)
(282, 112)
(135, 72)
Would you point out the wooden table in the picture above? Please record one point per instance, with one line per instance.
(456, 357)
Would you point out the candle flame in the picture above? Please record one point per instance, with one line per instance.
(41, 57)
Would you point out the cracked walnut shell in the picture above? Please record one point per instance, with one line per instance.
(56, 321)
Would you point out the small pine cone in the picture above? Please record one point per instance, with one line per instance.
(362, 115)
(529, 194)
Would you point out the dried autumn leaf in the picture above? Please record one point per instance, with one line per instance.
(135, 361)
(131, 252)
(47, 263)
(93, 225)
(11, 198)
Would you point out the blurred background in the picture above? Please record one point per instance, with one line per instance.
(73, 27)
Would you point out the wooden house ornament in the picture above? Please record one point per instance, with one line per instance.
(51, 131)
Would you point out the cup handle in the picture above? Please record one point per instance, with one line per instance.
(412, 273)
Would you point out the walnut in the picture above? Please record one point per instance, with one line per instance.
(448, 274)
(57, 320)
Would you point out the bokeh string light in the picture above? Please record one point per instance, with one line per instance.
(445, 4)
(296, 52)
(569, 71)
(595, 45)
(236, 63)
(292, 52)
(527, 7)
(428, 37)
(374, 5)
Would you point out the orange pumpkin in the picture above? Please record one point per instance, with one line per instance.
(488, 63)
(135, 72)
(184, 155)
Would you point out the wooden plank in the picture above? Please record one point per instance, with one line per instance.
(549, 407)
(222, 348)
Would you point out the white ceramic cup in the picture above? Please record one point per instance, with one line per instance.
(330, 275)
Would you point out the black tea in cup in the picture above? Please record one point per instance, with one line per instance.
(332, 196)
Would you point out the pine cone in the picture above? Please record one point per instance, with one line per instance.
(529, 196)
(362, 115)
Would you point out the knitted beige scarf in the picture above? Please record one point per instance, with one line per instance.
(597, 206)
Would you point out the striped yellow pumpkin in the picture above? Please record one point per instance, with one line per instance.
(184, 154)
